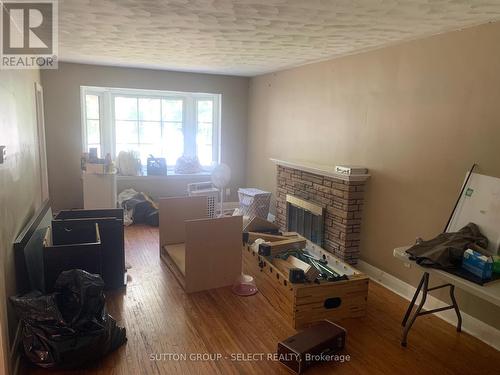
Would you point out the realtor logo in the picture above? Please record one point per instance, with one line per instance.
(28, 34)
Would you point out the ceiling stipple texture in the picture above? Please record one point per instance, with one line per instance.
(250, 37)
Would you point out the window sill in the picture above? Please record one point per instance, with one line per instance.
(167, 177)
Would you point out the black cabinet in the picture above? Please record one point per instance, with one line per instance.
(111, 231)
(77, 246)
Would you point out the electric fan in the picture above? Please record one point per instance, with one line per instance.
(221, 175)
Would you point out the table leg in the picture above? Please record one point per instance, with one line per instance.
(424, 285)
(413, 300)
(455, 306)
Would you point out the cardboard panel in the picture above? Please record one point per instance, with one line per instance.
(213, 252)
(173, 214)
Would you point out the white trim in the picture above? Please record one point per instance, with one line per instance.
(475, 327)
(102, 118)
(42, 144)
(83, 121)
(164, 177)
(321, 170)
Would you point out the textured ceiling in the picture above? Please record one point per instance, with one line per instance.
(249, 37)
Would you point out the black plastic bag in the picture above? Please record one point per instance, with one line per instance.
(69, 328)
(143, 209)
(80, 297)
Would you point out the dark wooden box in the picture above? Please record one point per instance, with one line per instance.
(79, 248)
(111, 230)
(312, 345)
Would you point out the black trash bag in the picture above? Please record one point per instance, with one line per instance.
(80, 297)
(70, 328)
(143, 209)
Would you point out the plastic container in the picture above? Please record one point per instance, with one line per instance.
(254, 202)
(206, 189)
(245, 286)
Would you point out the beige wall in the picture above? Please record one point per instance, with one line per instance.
(63, 124)
(417, 115)
(20, 192)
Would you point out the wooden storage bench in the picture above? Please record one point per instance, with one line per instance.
(305, 303)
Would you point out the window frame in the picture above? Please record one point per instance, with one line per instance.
(190, 100)
(85, 119)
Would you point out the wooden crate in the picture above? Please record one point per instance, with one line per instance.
(303, 304)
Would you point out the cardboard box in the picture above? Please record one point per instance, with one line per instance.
(94, 168)
(478, 264)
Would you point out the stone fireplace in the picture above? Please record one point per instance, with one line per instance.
(340, 197)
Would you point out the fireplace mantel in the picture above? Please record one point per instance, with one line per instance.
(320, 170)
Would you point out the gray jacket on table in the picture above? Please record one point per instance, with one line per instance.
(446, 250)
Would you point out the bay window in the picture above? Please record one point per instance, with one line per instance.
(159, 123)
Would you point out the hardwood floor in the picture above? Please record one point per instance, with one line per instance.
(161, 319)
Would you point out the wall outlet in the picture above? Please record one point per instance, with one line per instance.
(228, 192)
(3, 154)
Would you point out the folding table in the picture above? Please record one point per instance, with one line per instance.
(490, 292)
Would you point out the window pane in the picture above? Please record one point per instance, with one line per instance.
(172, 110)
(204, 131)
(204, 143)
(125, 108)
(92, 107)
(126, 132)
(93, 133)
(150, 132)
(205, 111)
(149, 109)
(154, 125)
(173, 141)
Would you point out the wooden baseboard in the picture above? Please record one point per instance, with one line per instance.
(473, 326)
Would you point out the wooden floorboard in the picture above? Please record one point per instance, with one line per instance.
(160, 319)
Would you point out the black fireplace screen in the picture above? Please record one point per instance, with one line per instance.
(306, 222)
